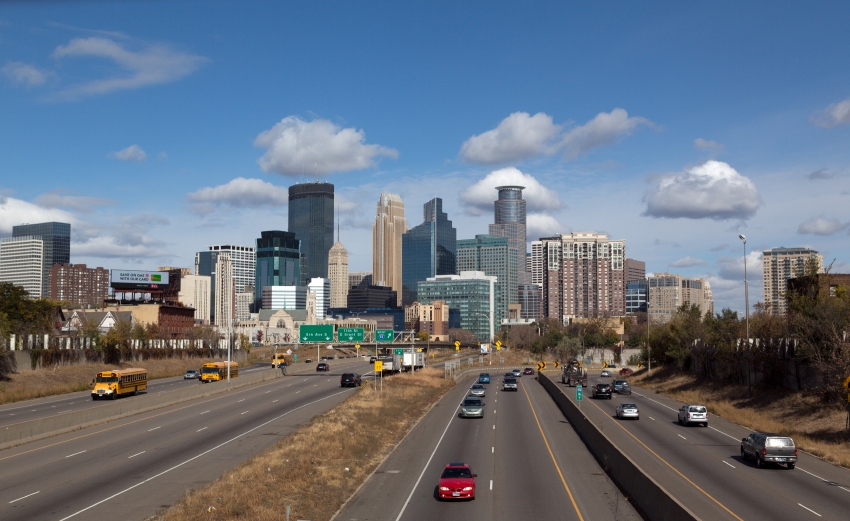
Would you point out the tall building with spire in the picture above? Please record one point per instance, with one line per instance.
(390, 225)
(338, 272)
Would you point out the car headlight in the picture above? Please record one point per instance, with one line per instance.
(467, 489)
(444, 489)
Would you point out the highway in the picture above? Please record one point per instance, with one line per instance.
(69, 403)
(702, 467)
(137, 465)
(529, 461)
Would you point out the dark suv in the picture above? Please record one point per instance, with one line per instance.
(602, 391)
(766, 447)
(350, 380)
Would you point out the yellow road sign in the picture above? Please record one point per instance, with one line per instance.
(457, 343)
(640, 365)
(604, 364)
(847, 383)
(556, 364)
(379, 366)
(356, 346)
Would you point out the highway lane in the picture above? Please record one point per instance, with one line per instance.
(702, 467)
(521, 473)
(137, 465)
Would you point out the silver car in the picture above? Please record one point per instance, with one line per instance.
(693, 414)
(517, 373)
(472, 407)
(477, 390)
(628, 410)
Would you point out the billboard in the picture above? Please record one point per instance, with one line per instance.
(131, 279)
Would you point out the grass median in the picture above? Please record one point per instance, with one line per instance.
(319, 466)
(816, 427)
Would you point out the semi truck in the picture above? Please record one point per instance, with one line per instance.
(391, 363)
(573, 374)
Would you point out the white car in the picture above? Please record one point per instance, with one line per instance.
(693, 414)
(605, 373)
(628, 410)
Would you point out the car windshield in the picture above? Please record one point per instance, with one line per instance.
(210, 370)
(780, 442)
(697, 409)
(619, 382)
(485, 374)
(478, 386)
(602, 386)
(472, 401)
(456, 473)
(629, 406)
(106, 379)
(510, 381)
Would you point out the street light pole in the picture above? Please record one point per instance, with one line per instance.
(747, 315)
(648, 352)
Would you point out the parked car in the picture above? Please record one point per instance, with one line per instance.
(457, 482)
(350, 380)
(605, 374)
(528, 371)
(693, 414)
(622, 387)
(767, 447)
(477, 390)
(484, 378)
(628, 410)
(626, 371)
(192, 374)
(517, 373)
(472, 407)
(509, 384)
(323, 367)
(602, 391)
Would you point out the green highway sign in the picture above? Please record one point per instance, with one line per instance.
(384, 335)
(578, 392)
(319, 333)
(349, 334)
(398, 351)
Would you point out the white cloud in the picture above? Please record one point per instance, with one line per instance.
(238, 193)
(25, 74)
(296, 147)
(539, 225)
(15, 211)
(732, 268)
(518, 136)
(602, 130)
(78, 203)
(152, 65)
(132, 153)
(688, 262)
(479, 197)
(712, 190)
(111, 247)
(707, 144)
(833, 115)
(821, 226)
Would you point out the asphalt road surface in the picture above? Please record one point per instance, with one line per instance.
(127, 469)
(529, 461)
(702, 467)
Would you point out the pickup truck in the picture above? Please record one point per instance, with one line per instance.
(509, 384)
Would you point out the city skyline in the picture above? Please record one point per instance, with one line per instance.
(609, 129)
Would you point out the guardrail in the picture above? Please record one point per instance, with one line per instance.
(648, 494)
(41, 428)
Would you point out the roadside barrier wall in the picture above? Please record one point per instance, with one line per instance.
(645, 492)
(25, 432)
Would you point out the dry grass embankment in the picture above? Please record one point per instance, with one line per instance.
(316, 468)
(816, 427)
(72, 378)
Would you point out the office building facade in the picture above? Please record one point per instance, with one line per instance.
(355, 278)
(78, 285)
(278, 262)
(530, 301)
(536, 263)
(338, 275)
(56, 247)
(368, 296)
(321, 288)
(510, 222)
(225, 291)
(195, 293)
(428, 249)
(584, 276)
(22, 263)
(387, 231)
(635, 270)
(636, 291)
(242, 263)
(311, 219)
(285, 297)
(473, 293)
(666, 292)
(496, 257)
(779, 265)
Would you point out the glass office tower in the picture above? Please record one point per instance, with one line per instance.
(311, 219)
(427, 249)
(57, 246)
(278, 262)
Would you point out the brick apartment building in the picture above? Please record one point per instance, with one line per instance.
(78, 285)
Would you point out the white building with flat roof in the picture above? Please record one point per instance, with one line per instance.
(21, 263)
(195, 293)
(321, 287)
(284, 297)
(779, 265)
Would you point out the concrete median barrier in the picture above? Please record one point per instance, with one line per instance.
(655, 501)
(26, 432)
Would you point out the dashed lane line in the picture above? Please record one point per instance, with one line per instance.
(726, 462)
(20, 498)
(134, 455)
(74, 454)
(809, 509)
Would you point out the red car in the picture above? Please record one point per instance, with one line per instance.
(323, 367)
(625, 371)
(457, 482)
(528, 370)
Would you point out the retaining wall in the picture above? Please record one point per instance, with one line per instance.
(645, 492)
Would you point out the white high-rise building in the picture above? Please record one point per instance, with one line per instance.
(667, 292)
(390, 225)
(21, 263)
(779, 265)
(284, 297)
(536, 262)
(321, 287)
(195, 293)
(225, 293)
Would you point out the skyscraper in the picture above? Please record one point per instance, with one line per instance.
(311, 219)
(390, 225)
(427, 249)
(57, 246)
(510, 222)
(473, 293)
(278, 262)
(243, 263)
(495, 257)
(338, 275)
(321, 288)
(22, 263)
(225, 294)
(635, 270)
(779, 265)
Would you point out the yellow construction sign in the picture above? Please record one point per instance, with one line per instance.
(379, 366)
(498, 345)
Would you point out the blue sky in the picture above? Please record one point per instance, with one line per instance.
(158, 128)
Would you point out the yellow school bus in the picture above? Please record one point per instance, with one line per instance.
(215, 371)
(278, 359)
(111, 384)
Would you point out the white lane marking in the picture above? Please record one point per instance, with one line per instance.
(494, 427)
(403, 507)
(296, 392)
(201, 455)
(244, 412)
(494, 411)
(659, 403)
(726, 462)
(155, 428)
(199, 430)
(723, 433)
(20, 498)
(274, 401)
(33, 410)
(267, 392)
(63, 412)
(205, 412)
(809, 509)
(491, 484)
(74, 454)
(240, 401)
(492, 450)
(820, 478)
(134, 455)
(651, 418)
(679, 435)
